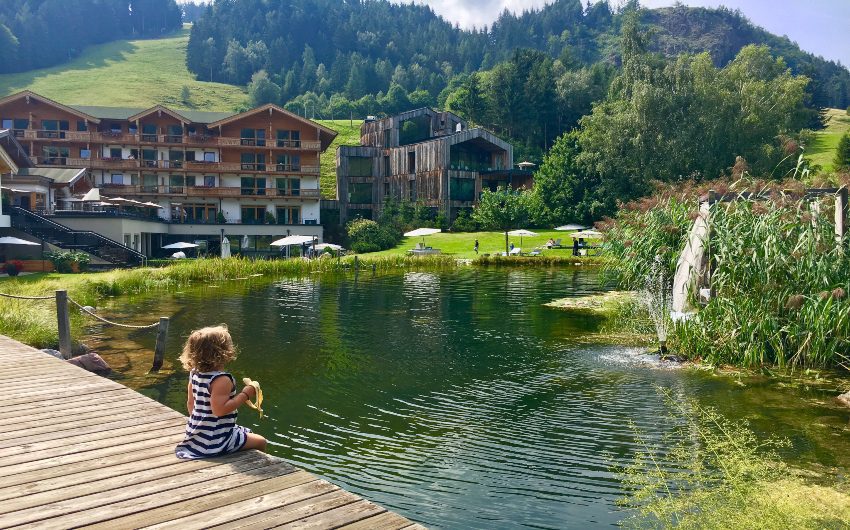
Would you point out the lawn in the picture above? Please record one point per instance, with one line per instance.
(129, 73)
(822, 149)
(349, 134)
(460, 245)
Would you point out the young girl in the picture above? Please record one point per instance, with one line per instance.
(212, 399)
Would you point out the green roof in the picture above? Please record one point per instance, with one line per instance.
(123, 113)
(58, 175)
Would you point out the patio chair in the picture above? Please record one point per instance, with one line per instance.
(535, 252)
(516, 251)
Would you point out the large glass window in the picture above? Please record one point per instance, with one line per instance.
(253, 185)
(288, 138)
(414, 130)
(462, 189)
(148, 132)
(288, 215)
(56, 156)
(82, 126)
(360, 192)
(359, 166)
(253, 137)
(288, 163)
(175, 134)
(253, 161)
(289, 187)
(253, 214)
(149, 183)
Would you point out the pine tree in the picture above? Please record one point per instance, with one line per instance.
(842, 154)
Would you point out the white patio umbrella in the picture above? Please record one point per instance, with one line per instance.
(570, 228)
(152, 205)
(225, 248)
(587, 234)
(323, 246)
(522, 233)
(180, 245)
(422, 232)
(292, 240)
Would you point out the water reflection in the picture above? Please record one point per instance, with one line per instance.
(458, 399)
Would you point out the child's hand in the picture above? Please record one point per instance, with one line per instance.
(249, 391)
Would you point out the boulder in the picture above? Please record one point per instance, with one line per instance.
(844, 399)
(55, 353)
(91, 362)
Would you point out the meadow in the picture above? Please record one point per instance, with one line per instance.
(821, 150)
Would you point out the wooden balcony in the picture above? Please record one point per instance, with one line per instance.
(62, 136)
(177, 165)
(207, 192)
(198, 140)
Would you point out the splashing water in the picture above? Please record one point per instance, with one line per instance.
(657, 297)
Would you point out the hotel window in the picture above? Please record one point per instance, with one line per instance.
(253, 215)
(134, 179)
(6, 123)
(115, 153)
(253, 161)
(288, 138)
(149, 157)
(117, 178)
(115, 127)
(85, 154)
(190, 156)
(253, 185)
(288, 163)
(411, 191)
(200, 213)
(82, 126)
(176, 183)
(359, 166)
(149, 183)
(175, 159)
(20, 124)
(411, 162)
(56, 156)
(288, 215)
(360, 192)
(53, 128)
(209, 181)
(209, 157)
(386, 190)
(289, 187)
(132, 128)
(253, 137)
(149, 132)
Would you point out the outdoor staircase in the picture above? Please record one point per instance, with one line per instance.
(116, 254)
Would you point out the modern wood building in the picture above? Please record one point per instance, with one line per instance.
(254, 173)
(421, 156)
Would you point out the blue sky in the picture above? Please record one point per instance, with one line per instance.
(818, 26)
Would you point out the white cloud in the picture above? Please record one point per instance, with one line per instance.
(477, 13)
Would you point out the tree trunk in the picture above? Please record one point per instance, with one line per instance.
(506, 243)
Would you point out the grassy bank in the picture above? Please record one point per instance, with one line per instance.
(460, 245)
(128, 73)
(821, 150)
(348, 134)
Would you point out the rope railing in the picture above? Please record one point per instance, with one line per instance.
(64, 324)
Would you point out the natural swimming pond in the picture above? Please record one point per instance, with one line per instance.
(455, 397)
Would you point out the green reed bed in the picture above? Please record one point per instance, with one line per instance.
(780, 278)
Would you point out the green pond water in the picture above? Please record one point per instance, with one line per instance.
(456, 398)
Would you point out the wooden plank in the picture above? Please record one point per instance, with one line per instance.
(186, 500)
(64, 423)
(103, 483)
(12, 410)
(80, 448)
(75, 390)
(384, 521)
(105, 436)
(141, 451)
(103, 505)
(89, 455)
(350, 513)
(24, 420)
(38, 408)
(292, 512)
(259, 506)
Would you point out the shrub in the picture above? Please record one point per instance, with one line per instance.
(270, 218)
(368, 236)
(65, 261)
(464, 223)
(220, 218)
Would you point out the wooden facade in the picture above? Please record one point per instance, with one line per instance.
(429, 169)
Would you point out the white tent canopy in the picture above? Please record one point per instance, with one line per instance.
(180, 244)
(570, 228)
(522, 233)
(422, 232)
(323, 246)
(292, 240)
(93, 195)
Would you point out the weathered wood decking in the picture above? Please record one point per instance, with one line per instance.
(77, 449)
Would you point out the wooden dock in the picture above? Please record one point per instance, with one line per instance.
(80, 450)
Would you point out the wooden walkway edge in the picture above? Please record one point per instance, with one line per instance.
(80, 450)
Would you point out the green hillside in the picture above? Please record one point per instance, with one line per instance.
(821, 150)
(135, 73)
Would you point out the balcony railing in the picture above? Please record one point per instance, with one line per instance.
(206, 140)
(201, 167)
(209, 192)
(68, 136)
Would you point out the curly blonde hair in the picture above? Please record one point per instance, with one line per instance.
(208, 349)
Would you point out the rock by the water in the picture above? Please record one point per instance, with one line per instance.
(55, 353)
(89, 309)
(91, 362)
(844, 399)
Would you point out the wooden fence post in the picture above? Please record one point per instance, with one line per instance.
(840, 214)
(159, 351)
(64, 323)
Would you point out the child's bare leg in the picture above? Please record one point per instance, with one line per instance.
(254, 441)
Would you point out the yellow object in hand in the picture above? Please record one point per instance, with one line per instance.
(257, 404)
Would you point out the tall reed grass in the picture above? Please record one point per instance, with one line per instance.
(780, 279)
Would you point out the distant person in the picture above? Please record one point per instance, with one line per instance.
(550, 243)
(575, 247)
(212, 399)
(512, 245)
(475, 248)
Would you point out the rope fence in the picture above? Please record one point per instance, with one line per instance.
(64, 324)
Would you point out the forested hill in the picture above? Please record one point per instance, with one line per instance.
(363, 47)
(39, 33)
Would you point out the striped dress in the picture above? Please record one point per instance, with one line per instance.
(209, 435)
